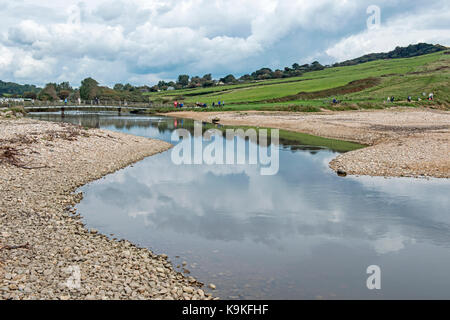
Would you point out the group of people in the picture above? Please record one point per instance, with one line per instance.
(177, 104)
(204, 105)
(430, 97)
(220, 104)
(199, 104)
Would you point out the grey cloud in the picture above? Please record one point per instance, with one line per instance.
(109, 11)
(144, 39)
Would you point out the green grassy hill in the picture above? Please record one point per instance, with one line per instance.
(365, 85)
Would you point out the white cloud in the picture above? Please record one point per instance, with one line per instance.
(27, 32)
(6, 57)
(392, 242)
(141, 41)
(19, 64)
(425, 26)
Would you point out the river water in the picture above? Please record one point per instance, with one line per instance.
(304, 233)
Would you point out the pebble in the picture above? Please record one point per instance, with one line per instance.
(188, 289)
(59, 242)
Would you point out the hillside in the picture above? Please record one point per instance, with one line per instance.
(289, 72)
(365, 85)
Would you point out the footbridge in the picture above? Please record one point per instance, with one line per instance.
(93, 108)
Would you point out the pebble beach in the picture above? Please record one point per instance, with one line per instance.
(42, 238)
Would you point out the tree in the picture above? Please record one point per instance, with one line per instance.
(195, 82)
(183, 80)
(207, 77)
(88, 89)
(118, 87)
(63, 94)
(207, 83)
(261, 74)
(277, 74)
(75, 95)
(128, 87)
(30, 95)
(246, 77)
(48, 93)
(315, 66)
(228, 79)
(63, 86)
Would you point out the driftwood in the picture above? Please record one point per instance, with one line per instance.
(22, 246)
(11, 155)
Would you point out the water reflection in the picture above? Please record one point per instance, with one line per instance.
(303, 233)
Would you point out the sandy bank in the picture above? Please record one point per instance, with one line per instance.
(402, 141)
(41, 165)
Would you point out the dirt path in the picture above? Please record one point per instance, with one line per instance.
(42, 240)
(402, 141)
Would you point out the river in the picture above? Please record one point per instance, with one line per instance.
(304, 233)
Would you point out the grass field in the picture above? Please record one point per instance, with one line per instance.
(291, 138)
(315, 90)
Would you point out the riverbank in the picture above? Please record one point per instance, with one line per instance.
(402, 142)
(42, 240)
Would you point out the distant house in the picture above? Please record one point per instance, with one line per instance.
(170, 88)
(144, 89)
(2, 99)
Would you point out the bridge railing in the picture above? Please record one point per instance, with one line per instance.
(85, 103)
(104, 103)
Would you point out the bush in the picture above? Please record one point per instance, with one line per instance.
(18, 110)
(12, 112)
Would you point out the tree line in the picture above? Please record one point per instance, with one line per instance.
(412, 50)
(185, 81)
(90, 88)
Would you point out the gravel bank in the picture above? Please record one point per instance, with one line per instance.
(43, 241)
(403, 142)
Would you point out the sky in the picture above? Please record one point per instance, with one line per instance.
(144, 41)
